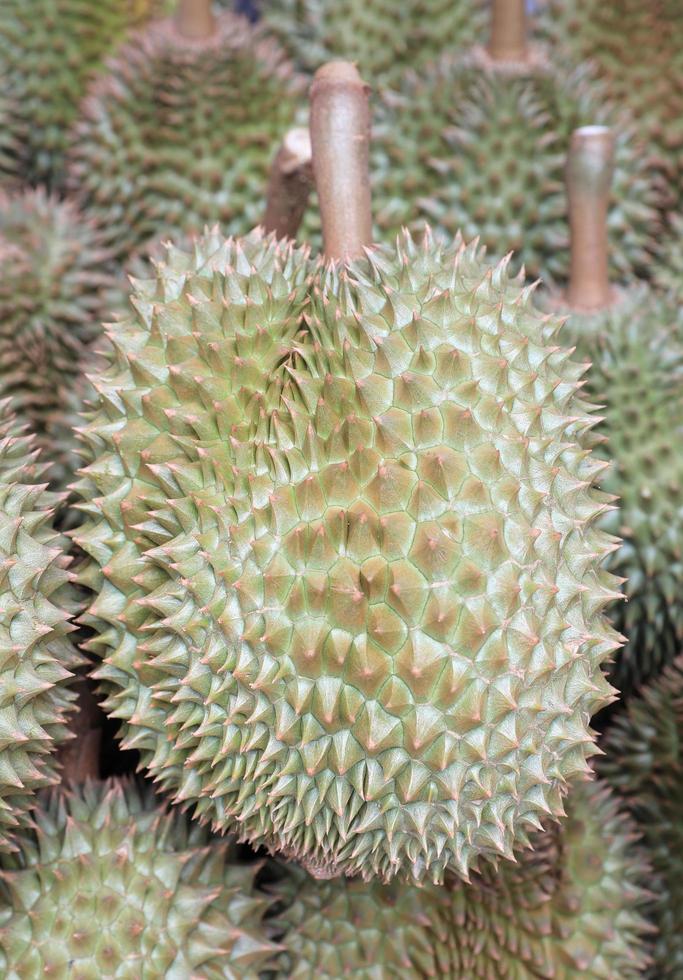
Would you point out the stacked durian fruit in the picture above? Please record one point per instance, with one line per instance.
(341, 490)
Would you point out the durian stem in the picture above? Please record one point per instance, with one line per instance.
(508, 40)
(590, 166)
(194, 18)
(80, 756)
(340, 141)
(289, 184)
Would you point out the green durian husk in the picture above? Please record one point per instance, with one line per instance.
(383, 38)
(571, 907)
(58, 285)
(635, 351)
(470, 148)
(108, 883)
(37, 653)
(637, 50)
(643, 762)
(49, 52)
(341, 527)
(181, 133)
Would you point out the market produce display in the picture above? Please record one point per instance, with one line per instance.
(341, 489)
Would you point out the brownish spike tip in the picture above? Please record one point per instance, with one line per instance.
(508, 39)
(590, 166)
(340, 142)
(194, 19)
(289, 184)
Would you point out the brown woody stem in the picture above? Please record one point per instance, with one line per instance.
(508, 40)
(289, 184)
(340, 141)
(80, 756)
(194, 18)
(590, 167)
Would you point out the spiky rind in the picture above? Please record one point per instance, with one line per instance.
(57, 286)
(637, 50)
(36, 653)
(349, 585)
(383, 38)
(181, 133)
(636, 377)
(571, 907)
(644, 763)
(49, 50)
(483, 152)
(668, 272)
(107, 883)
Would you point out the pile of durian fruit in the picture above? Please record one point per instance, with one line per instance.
(341, 489)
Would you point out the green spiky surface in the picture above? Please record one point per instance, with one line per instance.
(637, 49)
(56, 289)
(483, 152)
(382, 37)
(636, 378)
(36, 652)
(668, 272)
(569, 909)
(644, 764)
(109, 884)
(181, 133)
(349, 587)
(9, 176)
(49, 51)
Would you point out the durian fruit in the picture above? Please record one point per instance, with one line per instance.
(9, 176)
(568, 909)
(668, 272)
(341, 527)
(477, 144)
(36, 651)
(382, 37)
(57, 286)
(644, 764)
(637, 49)
(106, 883)
(49, 51)
(182, 130)
(631, 340)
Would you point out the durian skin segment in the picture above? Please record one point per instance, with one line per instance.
(293, 628)
(181, 133)
(37, 655)
(643, 763)
(571, 907)
(58, 285)
(109, 883)
(635, 350)
(483, 153)
(637, 50)
(49, 51)
(668, 273)
(382, 37)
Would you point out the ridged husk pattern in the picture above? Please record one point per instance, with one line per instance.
(57, 286)
(636, 378)
(348, 584)
(668, 272)
(570, 908)
(36, 652)
(637, 49)
(644, 764)
(109, 884)
(49, 51)
(383, 38)
(483, 152)
(181, 133)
